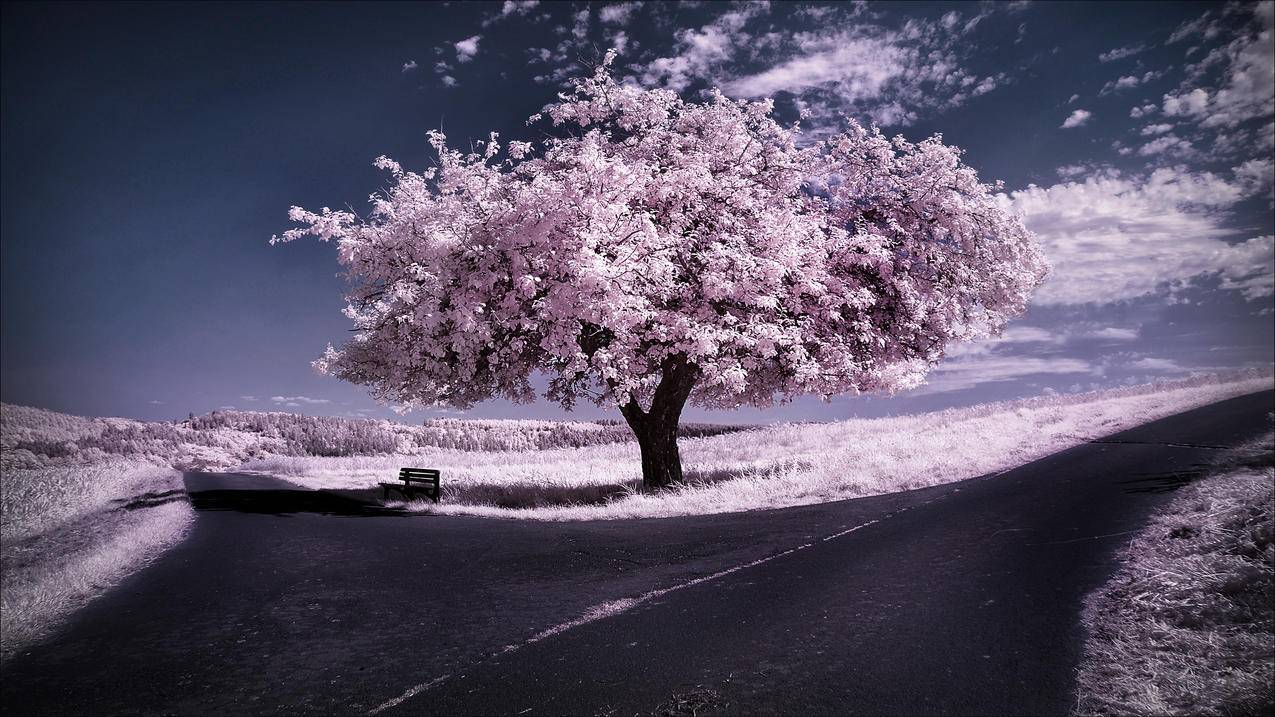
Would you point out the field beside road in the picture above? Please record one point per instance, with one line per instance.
(769, 467)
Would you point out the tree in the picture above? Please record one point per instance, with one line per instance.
(659, 251)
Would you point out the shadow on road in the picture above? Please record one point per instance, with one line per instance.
(284, 502)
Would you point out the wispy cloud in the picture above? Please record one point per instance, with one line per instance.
(1120, 53)
(619, 13)
(511, 8)
(299, 400)
(891, 75)
(409, 66)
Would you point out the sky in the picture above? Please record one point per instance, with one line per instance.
(150, 151)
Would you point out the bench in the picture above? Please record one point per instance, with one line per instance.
(415, 480)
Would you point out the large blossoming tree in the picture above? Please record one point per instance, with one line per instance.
(658, 251)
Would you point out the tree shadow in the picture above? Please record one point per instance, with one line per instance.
(287, 502)
(537, 495)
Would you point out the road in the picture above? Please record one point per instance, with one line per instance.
(958, 599)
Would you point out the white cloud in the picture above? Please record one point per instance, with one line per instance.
(1188, 104)
(1204, 26)
(701, 52)
(1143, 111)
(973, 371)
(889, 75)
(467, 48)
(1154, 129)
(448, 81)
(1156, 364)
(410, 65)
(619, 13)
(298, 400)
(1076, 119)
(1112, 238)
(1130, 81)
(249, 399)
(1169, 143)
(1073, 98)
(155, 403)
(1120, 53)
(510, 9)
(1234, 82)
(580, 24)
(1250, 267)
(1111, 333)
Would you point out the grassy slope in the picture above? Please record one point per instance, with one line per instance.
(1187, 626)
(69, 532)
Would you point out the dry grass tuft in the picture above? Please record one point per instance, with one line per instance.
(1188, 624)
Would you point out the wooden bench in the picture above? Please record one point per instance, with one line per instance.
(415, 480)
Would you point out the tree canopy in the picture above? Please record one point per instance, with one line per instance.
(655, 249)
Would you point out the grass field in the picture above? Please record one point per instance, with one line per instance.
(776, 466)
(1187, 625)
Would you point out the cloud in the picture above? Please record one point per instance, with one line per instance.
(448, 81)
(249, 399)
(1156, 364)
(467, 48)
(1130, 81)
(1204, 26)
(1112, 238)
(1111, 333)
(155, 402)
(619, 13)
(1154, 129)
(1076, 119)
(1169, 143)
(702, 51)
(512, 8)
(889, 75)
(975, 371)
(1120, 53)
(1234, 82)
(1188, 104)
(298, 400)
(1143, 111)
(410, 65)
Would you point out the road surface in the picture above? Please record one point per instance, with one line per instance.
(958, 599)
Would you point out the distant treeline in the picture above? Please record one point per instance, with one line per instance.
(33, 437)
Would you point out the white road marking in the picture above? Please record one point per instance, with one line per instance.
(616, 607)
(408, 695)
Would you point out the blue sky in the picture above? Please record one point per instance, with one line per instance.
(150, 151)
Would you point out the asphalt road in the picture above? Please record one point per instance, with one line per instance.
(959, 599)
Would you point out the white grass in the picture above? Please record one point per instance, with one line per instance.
(778, 466)
(69, 532)
(1187, 625)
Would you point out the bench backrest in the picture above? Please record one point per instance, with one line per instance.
(418, 474)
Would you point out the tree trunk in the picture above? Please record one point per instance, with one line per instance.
(656, 429)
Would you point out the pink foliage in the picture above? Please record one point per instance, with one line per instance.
(654, 230)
